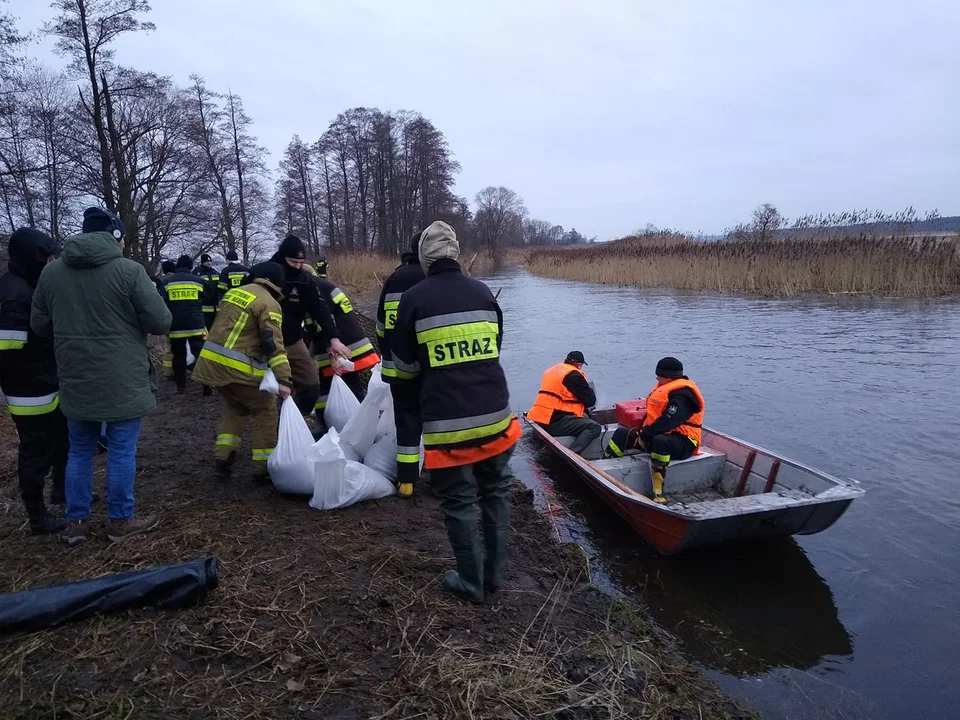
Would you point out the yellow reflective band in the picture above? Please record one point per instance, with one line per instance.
(235, 332)
(343, 302)
(33, 406)
(261, 454)
(404, 458)
(455, 344)
(389, 371)
(278, 360)
(390, 314)
(236, 279)
(659, 458)
(228, 440)
(168, 363)
(277, 318)
(240, 298)
(221, 286)
(379, 331)
(12, 344)
(183, 291)
(244, 367)
(365, 348)
(457, 436)
(186, 334)
(615, 448)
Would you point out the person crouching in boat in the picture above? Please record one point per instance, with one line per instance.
(564, 396)
(672, 427)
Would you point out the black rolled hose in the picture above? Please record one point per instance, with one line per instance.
(170, 587)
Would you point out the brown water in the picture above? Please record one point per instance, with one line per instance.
(860, 621)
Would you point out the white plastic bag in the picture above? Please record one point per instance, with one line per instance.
(344, 364)
(360, 432)
(382, 457)
(340, 482)
(292, 464)
(341, 405)
(386, 424)
(270, 383)
(191, 358)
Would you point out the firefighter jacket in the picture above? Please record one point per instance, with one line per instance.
(362, 352)
(448, 332)
(402, 279)
(245, 339)
(301, 297)
(211, 279)
(28, 366)
(186, 295)
(230, 277)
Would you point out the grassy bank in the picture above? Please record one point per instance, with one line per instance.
(889, 267)
(324, 614)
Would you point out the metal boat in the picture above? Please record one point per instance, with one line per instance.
(729, 490)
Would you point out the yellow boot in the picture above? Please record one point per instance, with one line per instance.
(658, 475)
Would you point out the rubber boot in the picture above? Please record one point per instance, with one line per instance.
(225, 466)
(467, 580)
(659, 475)
(496, 530)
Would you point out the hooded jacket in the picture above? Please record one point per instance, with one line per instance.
(28, 368)
(99, 308)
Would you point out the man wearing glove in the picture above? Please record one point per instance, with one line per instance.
(244, 341)
(564, 397)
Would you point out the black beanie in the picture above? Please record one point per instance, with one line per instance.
(669, 367)
(185, 261)
(291, 247)
(232, 256)
(99, 220)
(168, 266)
(268, 271)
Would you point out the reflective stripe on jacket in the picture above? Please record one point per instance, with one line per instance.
(555, 396)
(234, 352)
(659, 399)
(402, 279)
(186, 296)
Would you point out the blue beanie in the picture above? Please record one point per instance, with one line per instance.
(99, 220)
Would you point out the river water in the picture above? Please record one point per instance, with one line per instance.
(860, 621)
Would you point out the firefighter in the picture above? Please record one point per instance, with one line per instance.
(301, 297)
(244, 341)
(565, 396)
(211, 278)
(671, 429)
(322, 267)
(167, 267)
(447, 334)
(362, 353)
(406, 395)
(186, 296)
(232, 275)
(28, 378)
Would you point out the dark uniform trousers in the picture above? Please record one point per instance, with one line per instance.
(306, 379)
(178, 348)
(487, 484)
(44, 444)
(406, 417)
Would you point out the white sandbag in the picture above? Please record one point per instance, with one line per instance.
(382, 457)
(340, 482)
(360, 432)
(386, 424)
(292, 464)
(341, 405)
(191, 358)
(270, 383)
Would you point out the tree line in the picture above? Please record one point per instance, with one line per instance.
(183, 168)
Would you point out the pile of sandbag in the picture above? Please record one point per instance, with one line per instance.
(355, 460)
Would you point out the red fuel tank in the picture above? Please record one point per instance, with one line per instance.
(631, 413)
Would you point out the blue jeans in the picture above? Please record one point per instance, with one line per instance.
(121, 467)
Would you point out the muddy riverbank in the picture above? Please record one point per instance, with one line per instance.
(325, 615)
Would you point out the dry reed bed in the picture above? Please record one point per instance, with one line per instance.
(889, 267)
(325, 615)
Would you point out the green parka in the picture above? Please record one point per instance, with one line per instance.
(99, 308)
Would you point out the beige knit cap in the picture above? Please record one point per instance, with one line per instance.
(437, 242)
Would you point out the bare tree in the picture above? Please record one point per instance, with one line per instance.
(499, 219)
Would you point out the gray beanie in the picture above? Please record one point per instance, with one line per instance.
(438, 242)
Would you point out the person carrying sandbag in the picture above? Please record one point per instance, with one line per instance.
(244, 341)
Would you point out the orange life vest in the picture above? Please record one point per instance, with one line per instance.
(658, 400)
(554, 395)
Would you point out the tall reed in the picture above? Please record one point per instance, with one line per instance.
(785, 266)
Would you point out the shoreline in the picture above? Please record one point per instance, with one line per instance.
(327, 614)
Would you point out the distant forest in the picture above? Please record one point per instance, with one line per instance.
(185, 171)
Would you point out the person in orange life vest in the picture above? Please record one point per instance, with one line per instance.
(671, 429)
(564, 396)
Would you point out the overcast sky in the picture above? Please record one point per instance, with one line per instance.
(609, 114)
